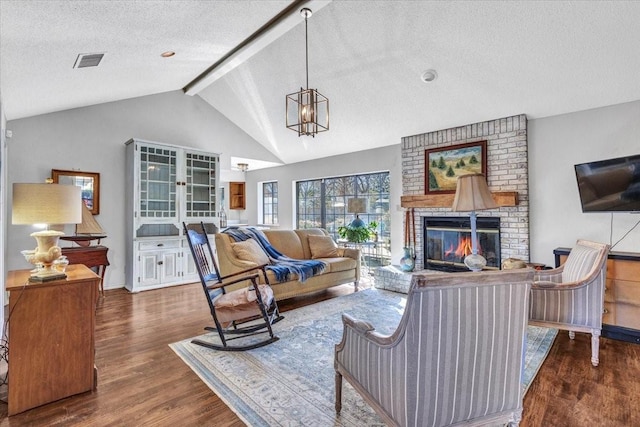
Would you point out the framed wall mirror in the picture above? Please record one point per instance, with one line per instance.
(88, 181)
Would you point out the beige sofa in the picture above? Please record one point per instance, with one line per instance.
(343, 268)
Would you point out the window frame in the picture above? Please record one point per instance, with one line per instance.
(269, 209)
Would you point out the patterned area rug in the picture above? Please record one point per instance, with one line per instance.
(291, 382)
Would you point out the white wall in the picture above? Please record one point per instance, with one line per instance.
(555, 145)
(374, 160)
(92, 139)
(3, 211)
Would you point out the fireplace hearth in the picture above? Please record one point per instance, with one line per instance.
(448, 241)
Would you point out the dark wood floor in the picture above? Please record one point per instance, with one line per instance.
(141, 382)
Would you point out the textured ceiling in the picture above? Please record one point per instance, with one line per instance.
(493, 59)
(40, 40)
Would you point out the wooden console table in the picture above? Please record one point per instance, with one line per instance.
(94, 257)
(51, 337)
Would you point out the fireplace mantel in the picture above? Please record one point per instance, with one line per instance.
(502, 198)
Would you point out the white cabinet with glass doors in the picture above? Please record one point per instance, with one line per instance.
(166, 185)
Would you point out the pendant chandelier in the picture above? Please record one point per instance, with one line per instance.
(307, 111)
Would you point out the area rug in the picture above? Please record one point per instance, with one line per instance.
(291, 382)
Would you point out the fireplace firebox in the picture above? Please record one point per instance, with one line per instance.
(447, 241)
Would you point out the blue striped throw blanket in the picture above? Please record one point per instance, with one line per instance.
(281, 265)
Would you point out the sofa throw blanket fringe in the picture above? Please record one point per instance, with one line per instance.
(281, 265)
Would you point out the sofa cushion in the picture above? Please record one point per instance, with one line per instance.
(250, 250)
(240, 303)
(339, 264)
(286, 242)
(303, 233)
(322, 247)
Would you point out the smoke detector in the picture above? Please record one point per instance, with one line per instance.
(429, 76)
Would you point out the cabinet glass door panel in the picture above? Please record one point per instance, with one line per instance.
(200, 185)
(158, 179)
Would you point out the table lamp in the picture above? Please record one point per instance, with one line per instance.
(473, 194)
(46, 204)
(355, 206)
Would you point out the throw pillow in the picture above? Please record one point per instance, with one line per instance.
(250, 250)
(322, 247)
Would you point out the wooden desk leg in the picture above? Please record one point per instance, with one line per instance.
(102, 269)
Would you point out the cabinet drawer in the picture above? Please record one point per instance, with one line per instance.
(627, 292)
(609, 314)
(610, 290)
(627, 316)
(623, 270)
(158, 244)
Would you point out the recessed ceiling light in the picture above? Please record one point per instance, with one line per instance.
(429, 76)
(167, 54)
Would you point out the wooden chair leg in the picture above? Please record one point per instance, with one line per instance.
(595, 347)
(517, 417)
(338, 392)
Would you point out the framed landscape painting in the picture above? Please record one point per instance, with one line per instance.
(444, 165)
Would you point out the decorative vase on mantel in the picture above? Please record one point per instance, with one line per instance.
(408, 260)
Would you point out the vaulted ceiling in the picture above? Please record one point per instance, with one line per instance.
(493, 59)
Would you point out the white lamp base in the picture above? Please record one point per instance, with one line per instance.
(46, 253)
(475, 262)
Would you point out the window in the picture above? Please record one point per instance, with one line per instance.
(309, 196)
(270, 203)
(323, 202)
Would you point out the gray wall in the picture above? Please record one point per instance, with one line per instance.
(555, 145)
(374, 160)
(3, 209)
(92, 139)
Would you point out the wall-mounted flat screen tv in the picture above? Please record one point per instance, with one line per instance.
(611, 185)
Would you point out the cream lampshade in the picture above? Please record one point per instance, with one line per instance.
(356, 206)
(473, 194)
(46, 204)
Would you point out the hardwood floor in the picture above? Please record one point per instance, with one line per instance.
(141, 382)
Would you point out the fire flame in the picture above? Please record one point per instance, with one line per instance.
(464, 248)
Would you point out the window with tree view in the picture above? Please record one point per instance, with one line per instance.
(324, 203)
(270, 203)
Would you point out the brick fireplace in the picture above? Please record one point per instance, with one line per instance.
(507, 171)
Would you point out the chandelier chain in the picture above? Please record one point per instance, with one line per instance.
(306, 48)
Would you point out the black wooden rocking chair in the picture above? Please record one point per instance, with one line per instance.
(238, 313)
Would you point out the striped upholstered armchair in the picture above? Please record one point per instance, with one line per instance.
(571, 297)
(456, 356)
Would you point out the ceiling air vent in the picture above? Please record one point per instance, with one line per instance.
(85, 60)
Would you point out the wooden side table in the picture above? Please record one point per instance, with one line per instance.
(51, 337)
(94, 257)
